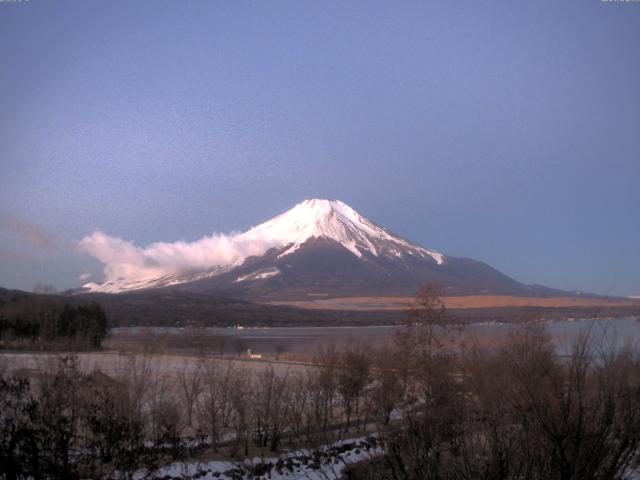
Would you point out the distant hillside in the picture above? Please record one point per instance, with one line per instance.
(174, 307)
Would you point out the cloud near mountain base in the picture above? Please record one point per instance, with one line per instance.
(124, 260)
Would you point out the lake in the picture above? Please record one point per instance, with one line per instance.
(308, 340)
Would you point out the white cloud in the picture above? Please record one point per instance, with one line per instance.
(124, 260)
(85, 276)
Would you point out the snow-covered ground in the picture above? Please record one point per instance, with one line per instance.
(324, 463)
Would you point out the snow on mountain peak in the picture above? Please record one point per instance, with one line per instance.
(335, 220)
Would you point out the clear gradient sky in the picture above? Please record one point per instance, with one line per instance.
(504, 131)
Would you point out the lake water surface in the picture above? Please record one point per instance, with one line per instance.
(308, 340)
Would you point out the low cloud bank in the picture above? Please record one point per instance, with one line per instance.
(124, 260)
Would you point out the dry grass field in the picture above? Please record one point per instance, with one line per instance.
(462, 302)
(169, 365)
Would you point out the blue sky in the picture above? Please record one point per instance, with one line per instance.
(503, 131)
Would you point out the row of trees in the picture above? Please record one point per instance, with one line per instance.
(65, 422)
(25, 320)
(268, 409)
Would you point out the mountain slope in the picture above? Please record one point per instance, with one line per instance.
(321, 268)
(326, 248)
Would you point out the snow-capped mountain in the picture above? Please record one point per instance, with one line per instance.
(326, 248)
(337, 221)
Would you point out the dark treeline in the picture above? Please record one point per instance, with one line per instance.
(26, 320)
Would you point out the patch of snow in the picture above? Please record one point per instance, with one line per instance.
(325, 463)
(124, 285)
(260, 274)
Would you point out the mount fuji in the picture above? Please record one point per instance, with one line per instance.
(324, 248)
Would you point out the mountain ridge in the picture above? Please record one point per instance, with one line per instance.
(324, 247)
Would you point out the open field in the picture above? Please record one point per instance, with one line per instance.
(458, 302)
(165, 365)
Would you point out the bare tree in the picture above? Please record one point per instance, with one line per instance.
(387, 388)
(326, 384)
(240, 394)
(191, 385)
(352, 379)
(299, 413)
(270, 407)
(423, 368)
